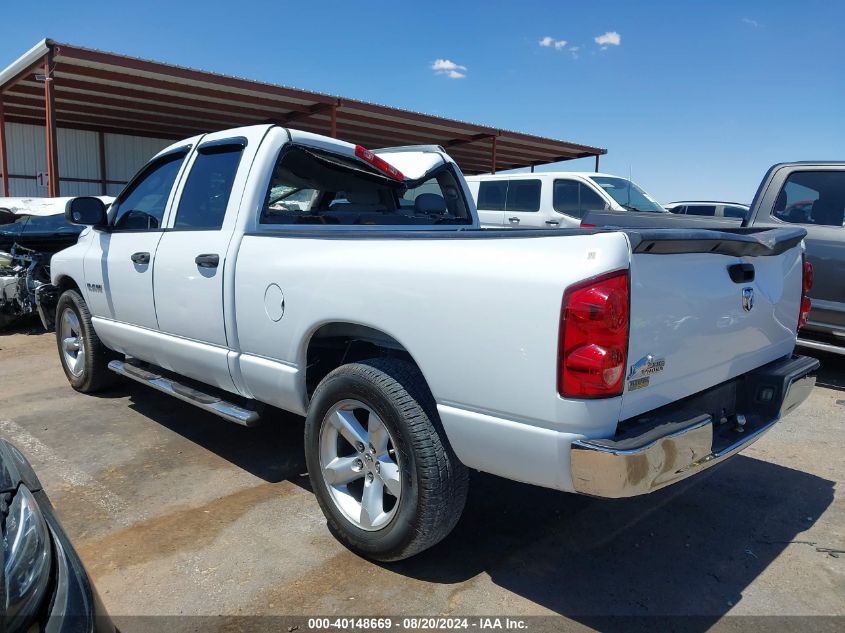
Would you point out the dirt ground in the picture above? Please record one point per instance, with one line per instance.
(175, 511)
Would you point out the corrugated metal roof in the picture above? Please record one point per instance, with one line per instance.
(104, 91)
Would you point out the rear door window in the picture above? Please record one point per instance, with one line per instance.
(523, 195)
(205, 196)
(492, 195)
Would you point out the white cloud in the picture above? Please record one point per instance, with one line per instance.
(575, 50)
(449, 68)
(751, 22)
(611, 38)
(549, 41)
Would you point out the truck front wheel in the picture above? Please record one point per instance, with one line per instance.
(84, 358)
(380, 465)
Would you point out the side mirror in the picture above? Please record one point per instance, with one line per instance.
(86, 210)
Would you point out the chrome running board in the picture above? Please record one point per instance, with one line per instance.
(206, 401)
(822, 347)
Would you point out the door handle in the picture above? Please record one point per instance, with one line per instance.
(208, 260)
(514, 219)
(552, 222)
(140, 258)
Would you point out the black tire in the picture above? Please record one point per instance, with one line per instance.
(94, 375)
(434, 481)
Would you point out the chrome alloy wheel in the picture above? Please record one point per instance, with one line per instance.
(73, 347)
(360, 465)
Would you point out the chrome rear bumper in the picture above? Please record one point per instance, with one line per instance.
(677, 441)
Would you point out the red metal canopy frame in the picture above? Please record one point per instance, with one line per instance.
(62, 85)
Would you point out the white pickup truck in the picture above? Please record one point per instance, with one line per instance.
(264, 266)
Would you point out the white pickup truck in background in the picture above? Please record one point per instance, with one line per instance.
(265, 266)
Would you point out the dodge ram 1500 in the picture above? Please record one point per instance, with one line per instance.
(265, 266)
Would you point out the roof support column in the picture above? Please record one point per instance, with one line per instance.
(4, 162)
(50, 127)
(101, 142)
(597, 163)
(493, 156)
(333, 131)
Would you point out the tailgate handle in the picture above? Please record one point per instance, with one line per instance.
(741, 273)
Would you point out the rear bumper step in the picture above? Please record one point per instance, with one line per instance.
(204, 400)
(677, 441)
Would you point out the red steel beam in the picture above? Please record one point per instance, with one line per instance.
(24, 95)
(71, 122)
(14, 80)
(101, 151)
(333, 124)
(157, 99)
(50, 127)
(4, 163)
(99, 57)
(178, 88)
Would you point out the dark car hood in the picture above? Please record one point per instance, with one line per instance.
(48, 234)
(15, 469)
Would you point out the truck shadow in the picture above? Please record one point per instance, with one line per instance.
(689, 550)
(614, 565)
(272, 451)
(832, 371)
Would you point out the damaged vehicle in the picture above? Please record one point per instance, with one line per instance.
(30, 234)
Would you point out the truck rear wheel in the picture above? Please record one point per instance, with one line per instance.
(84, 358)
(380, 465)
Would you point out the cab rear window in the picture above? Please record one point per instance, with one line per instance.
(316, 188)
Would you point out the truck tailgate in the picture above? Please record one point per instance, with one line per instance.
(693, 325)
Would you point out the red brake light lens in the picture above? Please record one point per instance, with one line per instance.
(808, 275)
(593, 343)
(806, 286)
(379, 163)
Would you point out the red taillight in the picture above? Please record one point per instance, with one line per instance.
(806, 286)
(587, 225)
(593, 343)
(378, 162)
(808, 275)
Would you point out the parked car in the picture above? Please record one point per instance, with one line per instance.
(45, 586)
(810, 195)
(551, 200)
(31, 231)
(711, 208)
(417, 345)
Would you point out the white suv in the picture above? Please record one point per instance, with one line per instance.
(554, 199)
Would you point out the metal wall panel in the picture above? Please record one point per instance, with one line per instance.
(25, 188)
(79, 188)
(25, 148)
(79, 155)
(78, 152)
(126, 154)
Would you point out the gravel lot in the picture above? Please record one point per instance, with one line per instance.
(175, 511)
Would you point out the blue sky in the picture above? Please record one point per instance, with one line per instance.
(696, 99)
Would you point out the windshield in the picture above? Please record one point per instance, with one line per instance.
(627, 194)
